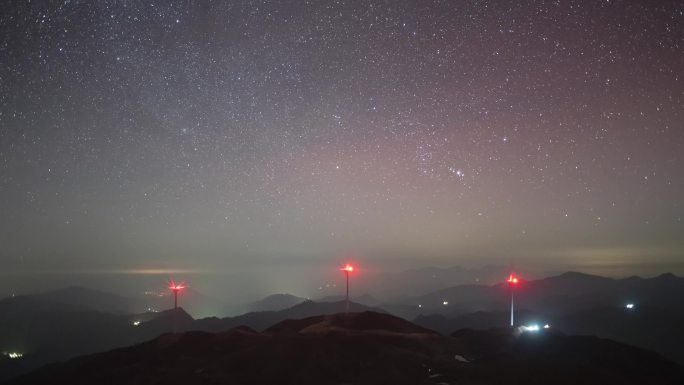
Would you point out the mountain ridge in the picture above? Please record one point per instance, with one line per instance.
(288, 354)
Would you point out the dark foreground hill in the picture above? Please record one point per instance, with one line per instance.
(46, 331)
(364, 348)
(274, 302)
(647, 327)
(264, 319)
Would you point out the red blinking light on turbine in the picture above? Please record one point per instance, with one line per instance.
(175, 288)
(512, 281)
(347, 270)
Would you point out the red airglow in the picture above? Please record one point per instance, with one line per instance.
(176, 287)
(348, 268)
(512, 280)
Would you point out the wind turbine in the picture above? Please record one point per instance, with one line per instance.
(347, 269)
(512, 282)
(175, 288)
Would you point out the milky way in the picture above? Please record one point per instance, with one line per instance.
(209, 135)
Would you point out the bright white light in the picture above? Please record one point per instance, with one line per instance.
(530, 328)
(12, 355)
(546, 326)
(136, 323)
(420, 305)
(445, 303)
(630, 306)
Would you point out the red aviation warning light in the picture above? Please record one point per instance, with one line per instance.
(512, 280)
(176, 288)
(347, 269)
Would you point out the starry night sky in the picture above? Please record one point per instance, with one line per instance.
(266, 136)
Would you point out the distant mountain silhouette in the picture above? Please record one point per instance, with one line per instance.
(331, 298)
(393, 287)
(558, 295)
(573, 302)
(262, 320)
(366, 299)
(458, 299)
(196, 303)
(275, 302)
(46, 331)
(192, 300)
(364, 348)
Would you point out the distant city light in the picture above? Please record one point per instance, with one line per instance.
(445, 303)
(156, 293)
(546, 326)
(630, 306)
(13, 355)
(136, 323)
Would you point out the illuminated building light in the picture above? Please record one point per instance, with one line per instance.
(13, 355)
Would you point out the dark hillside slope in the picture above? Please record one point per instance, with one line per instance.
(364, 348)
